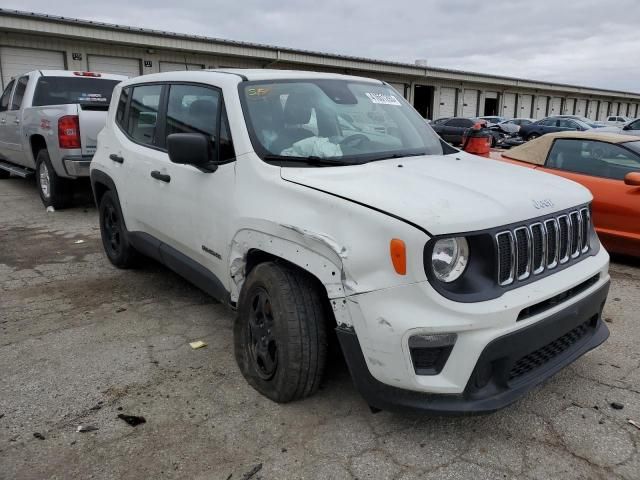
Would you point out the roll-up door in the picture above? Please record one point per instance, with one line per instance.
(119, 65)
(604, 111)
(177, 66)
(470, 103)
(614, 108)
(569, 105)
(509, 105)
(624, 109)
(16, 61)
(592, 109)
(633, 113)
(447, 102)
(524, 106)
(399, 87)
(540, 110)
(581, 107)
(555, 106)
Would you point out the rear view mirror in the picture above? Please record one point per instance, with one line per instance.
(190, 149)
(633, 179)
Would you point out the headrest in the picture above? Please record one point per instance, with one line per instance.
(202, 107)
(297, 110)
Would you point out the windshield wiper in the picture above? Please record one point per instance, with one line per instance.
(311, 160)
(390, 156)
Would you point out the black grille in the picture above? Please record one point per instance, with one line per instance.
(563, 223)
(531, 249)
(540, 357)
(504, 248)
(537, 238)
(522, 244)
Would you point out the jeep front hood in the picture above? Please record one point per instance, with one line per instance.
(446, 193)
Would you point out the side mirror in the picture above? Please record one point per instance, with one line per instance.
(632, 179)
(627, 127)
(190, 149)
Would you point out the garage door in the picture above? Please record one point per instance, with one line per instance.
(633, 111)
(509, 105)
(447, 102)
(569, 105)
(624, 109)
(470, 103)
(555, 106)
(581, 107)
(592, 109)
(614, 108)
(540, 110)
(399, 87)
(176, 66)
(120, 65)
(604, 111)
(16, 61)
(524, 106)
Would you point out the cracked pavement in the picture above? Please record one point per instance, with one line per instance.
(81, 342)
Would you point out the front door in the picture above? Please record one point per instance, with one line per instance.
(5, 100)
(13, 129)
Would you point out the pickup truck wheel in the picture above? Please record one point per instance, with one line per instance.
(114, 233)
(279, 333)
(54, 191)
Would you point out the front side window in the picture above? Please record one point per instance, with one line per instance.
(143, 113)
(197, 109)
(635, 125)
(347, 121)
(4, 100)
(591, 157)
(18, 95)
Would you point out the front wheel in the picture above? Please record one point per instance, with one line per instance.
(279, 333)
(55, 191)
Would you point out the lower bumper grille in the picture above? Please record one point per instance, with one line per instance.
(545, 354)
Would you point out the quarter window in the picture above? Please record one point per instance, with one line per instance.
(198, 109)
(122, 106)
(143, 113)
(590, 157)
(4, 100)
(18, 95)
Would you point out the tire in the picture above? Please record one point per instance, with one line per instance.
(114, 233)
(533, 136)
(4, 174)
(54, 190)
(284, 305)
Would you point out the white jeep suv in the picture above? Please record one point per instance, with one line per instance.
(309, 202)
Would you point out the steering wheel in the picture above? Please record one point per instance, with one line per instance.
(354, 142)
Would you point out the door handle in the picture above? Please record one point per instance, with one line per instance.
(17, 121)
(3, 120)
(163, 177)
(116, 158)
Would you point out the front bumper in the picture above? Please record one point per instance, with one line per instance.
(77, 166)
(508, 367)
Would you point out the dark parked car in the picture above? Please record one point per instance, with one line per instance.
(453, 129)
(552, 124)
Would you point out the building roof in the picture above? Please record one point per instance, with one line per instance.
(338, 59)
(536, 151)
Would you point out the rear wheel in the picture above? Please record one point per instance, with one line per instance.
(114, 233)
(279, 334)
(54, 190)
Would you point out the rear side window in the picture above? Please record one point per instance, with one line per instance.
(142, 120)
(70, 90)
(199, 109)
(18, 95)
(4, 100)
(460, 122)
(122, 106)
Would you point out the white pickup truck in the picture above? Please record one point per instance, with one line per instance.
(49, 123)
(312, 202)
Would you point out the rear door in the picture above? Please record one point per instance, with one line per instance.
(5, 103)
(13, 128)
(601, 167)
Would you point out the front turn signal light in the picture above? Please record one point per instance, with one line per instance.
(398, 252)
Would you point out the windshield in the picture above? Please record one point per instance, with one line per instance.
(635, 146)
(66, 90)
(340, 121)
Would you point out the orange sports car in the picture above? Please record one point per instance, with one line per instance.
(608, 164)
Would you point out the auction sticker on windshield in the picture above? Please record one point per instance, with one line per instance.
(383, 99)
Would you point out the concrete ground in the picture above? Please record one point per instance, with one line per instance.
(81, 342)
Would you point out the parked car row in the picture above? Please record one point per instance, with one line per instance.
(462, 287)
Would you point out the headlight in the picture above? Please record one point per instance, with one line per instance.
(449, 258)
